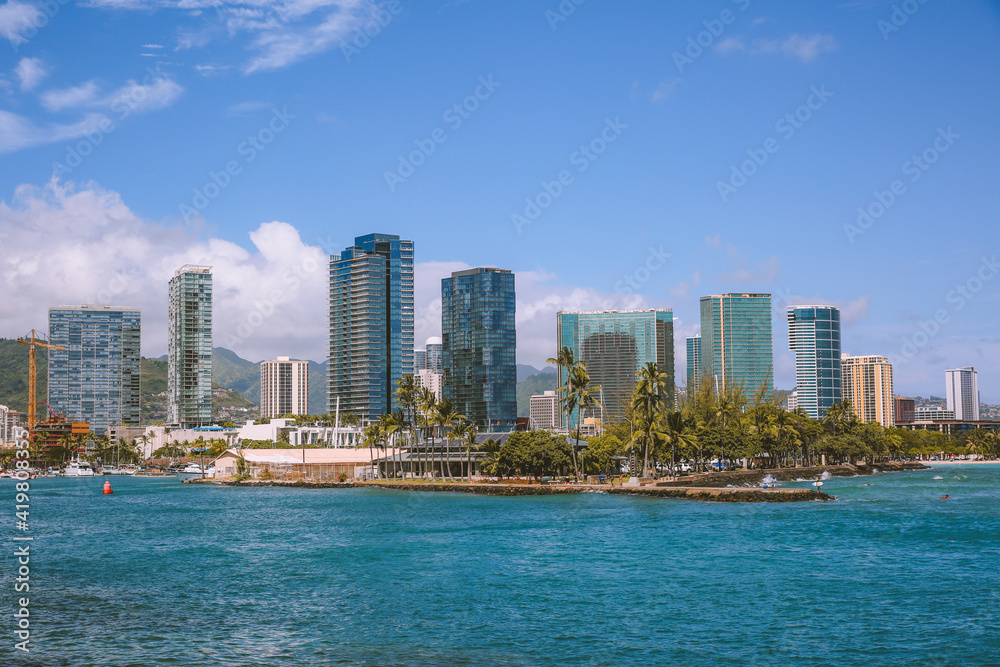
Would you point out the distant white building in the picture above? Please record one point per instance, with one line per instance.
(329, 436)
(962, 393)
(5, 430)
(932, 414)
(284, 388)
(544, 410)
(431, 380)
(793, 400)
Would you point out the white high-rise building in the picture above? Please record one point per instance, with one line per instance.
(962, 393)
(284, 388)
(425, 377)
(545, 413)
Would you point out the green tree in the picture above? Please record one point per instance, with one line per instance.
(648, 403)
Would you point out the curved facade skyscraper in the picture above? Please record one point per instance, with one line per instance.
(814, 337)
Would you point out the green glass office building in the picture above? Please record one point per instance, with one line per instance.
(479, 345)
(694, 374)
(371, 324)
(615, 345)
(736, 343)
(96, 378)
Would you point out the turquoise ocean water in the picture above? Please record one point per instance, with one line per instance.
(161, 573)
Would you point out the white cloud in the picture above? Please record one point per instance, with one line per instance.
(808, 48)
(666, 89)
(18, 132)
(68, 98)
(282, 32)
(152, 93)
(804, 48)
(30, 71)
(70, 244)
(16, 18)
(157, 94)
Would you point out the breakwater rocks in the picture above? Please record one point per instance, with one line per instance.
(723, 495)
(754, 478)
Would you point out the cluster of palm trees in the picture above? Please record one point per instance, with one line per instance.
(414, 428)
(721, 425)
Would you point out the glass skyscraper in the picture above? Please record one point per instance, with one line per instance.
(479, 343)
(371, 324)
(189, 347)
(96, 378)
(736, 344)
(814, 336)
(615, 345)
(693, 346)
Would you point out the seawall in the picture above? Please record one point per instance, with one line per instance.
(725, 495)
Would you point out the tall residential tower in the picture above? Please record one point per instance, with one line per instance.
(962, 393)
(371, 324)
(189, 347)
(96, 378)
(868, 386)
(284, 388)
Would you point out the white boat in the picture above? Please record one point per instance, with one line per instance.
(77, 468)
(194, 471)
(112, 470)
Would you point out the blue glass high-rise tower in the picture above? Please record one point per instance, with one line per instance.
(814, 336)
(736, 343)
(479, 344)
(96, 378)
(371, 324)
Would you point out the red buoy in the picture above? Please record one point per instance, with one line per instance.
(107, 487)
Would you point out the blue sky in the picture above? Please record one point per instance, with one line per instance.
(161, 95)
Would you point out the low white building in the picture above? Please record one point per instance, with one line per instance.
(289, 464)
(331, 436)
(155, 437)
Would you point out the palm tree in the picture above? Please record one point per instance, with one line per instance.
(565, 361)
(583, 397)
(837, 414)
(407, 394)
(446, 417)
(465, 432)
(648, 402)
(679, 432)
(427, 404)
(392, 424)
(371, 437)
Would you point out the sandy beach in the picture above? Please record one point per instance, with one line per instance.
(957, 463)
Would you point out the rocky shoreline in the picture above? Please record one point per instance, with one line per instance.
(731, 495)
(754, 478)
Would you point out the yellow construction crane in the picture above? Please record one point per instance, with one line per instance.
(32, 342)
